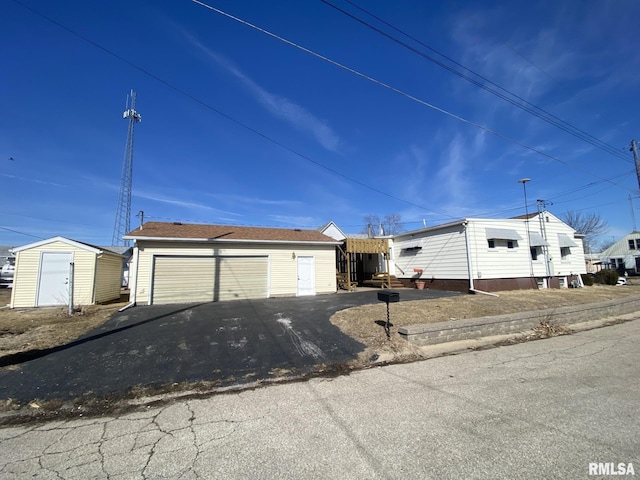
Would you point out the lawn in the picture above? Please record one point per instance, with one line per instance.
(360, 322)
(41, 328)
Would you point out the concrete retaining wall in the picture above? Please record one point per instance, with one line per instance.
(434, 333)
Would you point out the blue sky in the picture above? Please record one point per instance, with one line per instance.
(239, 127)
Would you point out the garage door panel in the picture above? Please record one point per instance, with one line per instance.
(242, 277)
(184, 279)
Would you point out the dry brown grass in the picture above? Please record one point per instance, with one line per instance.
(360, 322)
(41, 328)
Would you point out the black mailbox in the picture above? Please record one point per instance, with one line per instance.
(389, 296)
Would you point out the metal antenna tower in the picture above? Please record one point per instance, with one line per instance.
(123, 213)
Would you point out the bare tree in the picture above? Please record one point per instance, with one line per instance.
(591, 225)
(390, 225)
(602, 246)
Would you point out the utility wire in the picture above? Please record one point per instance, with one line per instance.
(519, 102)
(228, 117)
(400, 92)
(21, 233)
(264, 136)
(53, 220)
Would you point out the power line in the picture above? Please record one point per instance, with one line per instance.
(521, 102)
(22, 233)
(52, 220)
(228, 117)
(398, 91)
(281, 145)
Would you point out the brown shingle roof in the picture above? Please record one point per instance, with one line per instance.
(226, 232)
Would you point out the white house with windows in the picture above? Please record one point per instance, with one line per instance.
(534, 251)
(624, 255)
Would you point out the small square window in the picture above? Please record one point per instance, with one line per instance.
(565, 252)
(510, 244)
(492, 244)
(534, 253)
(632, 245)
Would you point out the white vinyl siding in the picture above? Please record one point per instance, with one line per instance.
(440, 253)
(501, 261)
(282, 265)
(182, 279)
(575, 262)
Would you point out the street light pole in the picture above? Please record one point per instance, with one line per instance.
(524, 181)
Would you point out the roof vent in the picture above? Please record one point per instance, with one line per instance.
(177, 223)
(297, 230)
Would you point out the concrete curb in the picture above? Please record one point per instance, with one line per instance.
(456, 330)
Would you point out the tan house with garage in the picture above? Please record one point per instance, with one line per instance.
(43, 272)
(182, 263)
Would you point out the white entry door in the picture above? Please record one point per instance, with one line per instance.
(53, 281)
(306, 276)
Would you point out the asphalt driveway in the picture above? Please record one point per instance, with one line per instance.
(228, 343)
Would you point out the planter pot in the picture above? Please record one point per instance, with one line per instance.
(420, 284)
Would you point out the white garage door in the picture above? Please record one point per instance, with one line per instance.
(183, 279)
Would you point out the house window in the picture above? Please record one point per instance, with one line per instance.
(511, 244)
(632, 245)
(534, 253)
(565, 252)
(492, 244)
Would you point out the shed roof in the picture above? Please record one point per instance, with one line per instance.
(222, 233)
(68, 241)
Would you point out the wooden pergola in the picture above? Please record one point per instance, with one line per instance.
(366, 245)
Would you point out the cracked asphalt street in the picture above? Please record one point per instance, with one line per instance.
(543, 409)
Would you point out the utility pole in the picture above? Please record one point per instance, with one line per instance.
(524, 181)
(633, 213)
(634, 149)
(122, 224)
(542, 206)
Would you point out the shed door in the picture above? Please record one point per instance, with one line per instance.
(53, 279)
(306, 276)
(186, 279)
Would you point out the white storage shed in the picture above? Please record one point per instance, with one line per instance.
(43, 269)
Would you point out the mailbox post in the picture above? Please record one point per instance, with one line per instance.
(388, 297)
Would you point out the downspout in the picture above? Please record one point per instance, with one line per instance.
(465, 224)
(132, 285)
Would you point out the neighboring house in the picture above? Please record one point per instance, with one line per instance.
(593, 262)
(42, 274)
(181, 263)
(331, 230)
(490, 254)
(624, 255)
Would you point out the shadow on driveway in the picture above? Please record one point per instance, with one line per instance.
(227, 343)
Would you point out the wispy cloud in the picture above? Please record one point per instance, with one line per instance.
(181, 203)
(297, 221)
(279, 106)
(33, 180)
(256, 201)
(451, 175)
